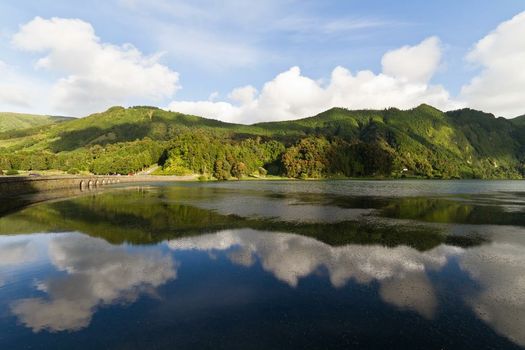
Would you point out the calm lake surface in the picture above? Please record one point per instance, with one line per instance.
(268, 265)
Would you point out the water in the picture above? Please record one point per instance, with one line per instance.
(268, 265)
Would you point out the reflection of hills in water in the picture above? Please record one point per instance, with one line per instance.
(150, 215)
(401, 249)
(95, 274)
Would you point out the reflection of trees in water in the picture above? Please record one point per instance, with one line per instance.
(444, 210)
(146, 216)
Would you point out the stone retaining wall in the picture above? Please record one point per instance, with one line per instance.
(14, 185)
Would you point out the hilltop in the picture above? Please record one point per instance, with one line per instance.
(422, 141)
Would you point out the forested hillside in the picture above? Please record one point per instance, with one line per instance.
(422, 142)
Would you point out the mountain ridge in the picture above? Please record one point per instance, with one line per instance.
(422, 141)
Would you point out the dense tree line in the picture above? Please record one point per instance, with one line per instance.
(119, 158)
(222, 157)
(209, 153)
(422, 142)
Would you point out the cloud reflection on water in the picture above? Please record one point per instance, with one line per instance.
(17, 252)
(400, 271)
(96, 273)
(500, 270)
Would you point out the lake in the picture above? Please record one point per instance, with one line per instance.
(268, 265)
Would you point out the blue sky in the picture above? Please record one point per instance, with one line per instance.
(215, 47)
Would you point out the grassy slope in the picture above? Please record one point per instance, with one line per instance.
(16, 121)
(465, 136)
(114, 125)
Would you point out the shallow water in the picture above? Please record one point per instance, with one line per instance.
(341, 264)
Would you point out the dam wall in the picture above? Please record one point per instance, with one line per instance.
(18, 185)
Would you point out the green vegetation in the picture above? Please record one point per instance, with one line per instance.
(18, 121)
(421, 142)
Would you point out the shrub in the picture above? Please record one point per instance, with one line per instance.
(73, 171)
(12, 172)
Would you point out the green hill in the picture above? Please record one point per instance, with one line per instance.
(17, 121)
(519, 121)
(422, 142)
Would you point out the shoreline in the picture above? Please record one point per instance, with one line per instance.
(17, 192)
(12, 186)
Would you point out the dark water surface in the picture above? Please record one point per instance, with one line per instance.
(268, 265)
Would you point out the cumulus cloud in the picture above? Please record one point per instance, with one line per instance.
(404, 83)
(413, 63)
(97, 273)
(401, 271)
(500, 86)
(93, 74)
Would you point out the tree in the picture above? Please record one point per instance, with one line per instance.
(221, 169)
(238, 169)
(307, 158)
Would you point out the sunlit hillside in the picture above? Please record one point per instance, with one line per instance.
(423, 142)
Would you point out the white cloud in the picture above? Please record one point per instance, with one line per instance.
(213, 96)
(16, 90)
(13, 95)
(90, 75)
(93, 74)
(243, 95)
(500, 86)
(216, 110)
(312, 27)
(97, 274)
(291, 95)
(413, 63)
